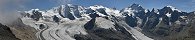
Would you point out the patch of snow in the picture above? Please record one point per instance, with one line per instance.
(160, 19)
(157, 13)
(145, 11)
(100, 14)
(168, 14)
(112, 12)
(183, 17)
(129, 11)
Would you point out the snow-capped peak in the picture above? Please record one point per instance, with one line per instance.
(96, 7)
(70, 5)
(155, 11)
(173, 8)
(133, 10)
(136, 7)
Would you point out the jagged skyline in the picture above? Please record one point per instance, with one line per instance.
(184, 5)
(9, 7)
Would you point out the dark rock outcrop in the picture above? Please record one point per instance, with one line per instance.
(6, 33)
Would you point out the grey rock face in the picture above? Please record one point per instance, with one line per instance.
(6, 33)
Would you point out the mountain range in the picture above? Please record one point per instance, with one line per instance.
(73, 22)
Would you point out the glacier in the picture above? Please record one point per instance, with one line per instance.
(66, 21)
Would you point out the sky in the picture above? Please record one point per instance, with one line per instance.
(184, 5)
(9, 8)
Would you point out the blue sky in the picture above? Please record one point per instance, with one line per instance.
(9, 8)
(184, 5)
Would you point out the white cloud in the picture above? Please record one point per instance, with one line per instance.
(8, 10)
